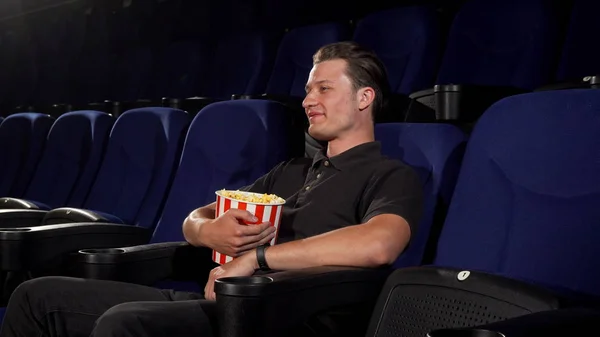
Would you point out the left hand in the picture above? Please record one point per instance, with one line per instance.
(244, 265)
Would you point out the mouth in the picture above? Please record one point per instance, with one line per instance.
(314, 115)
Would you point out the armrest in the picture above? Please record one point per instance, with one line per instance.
(56, 110)
(140, 103)
(402, 108)
(564, 86)
(73, 215)
(244, 96)
(288, 100)
(291, 101)
(145, 264)
(424, 96)
(562, 322)
(466, 103)
(110, 107)
(115, 108)
(46, 247)
(14, 218)
(586, 82)
(16, 203)
(460, 102)
(193, 104)
(267, 305)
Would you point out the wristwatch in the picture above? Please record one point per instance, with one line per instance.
(260, 257)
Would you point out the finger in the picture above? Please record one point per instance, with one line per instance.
(244, 252)
(209, 291)
(210, 294)
(257, 229)
(207, 288)
(255, 243)
(248, 239)
(240, 214)
(267, 239)
(212, 276)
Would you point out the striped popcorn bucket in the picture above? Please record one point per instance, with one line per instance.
(263, 211)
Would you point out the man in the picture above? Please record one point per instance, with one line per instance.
(347, 196)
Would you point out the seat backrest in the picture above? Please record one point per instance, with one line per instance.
(435, 152)
(241, 64)
(219, 153)
(142, 154)
(407, 40)
(22, 137)
(502, 42)
(294, 56)
(580, 53)
(526, 200)
(415, 301)
(73, 153)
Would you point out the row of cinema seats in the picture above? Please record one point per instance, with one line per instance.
(509, 228)
(493, 49)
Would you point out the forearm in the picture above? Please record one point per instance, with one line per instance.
(368, 245)
(193, 223)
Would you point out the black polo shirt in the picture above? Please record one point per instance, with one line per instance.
(323, 194)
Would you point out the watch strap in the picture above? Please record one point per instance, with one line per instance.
(260, 257)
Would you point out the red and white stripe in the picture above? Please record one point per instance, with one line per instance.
(271, 213)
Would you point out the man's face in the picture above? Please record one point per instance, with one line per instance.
(331, 104)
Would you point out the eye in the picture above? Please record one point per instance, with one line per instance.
(324, 88)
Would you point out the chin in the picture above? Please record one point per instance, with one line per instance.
(318, 134)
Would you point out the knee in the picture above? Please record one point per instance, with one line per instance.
(37, 288)
(30, 299)
(118, 321)
(45, 293)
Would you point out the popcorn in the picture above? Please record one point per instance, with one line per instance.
(254, 198)
(266, 208)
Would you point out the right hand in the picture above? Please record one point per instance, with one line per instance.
(229, 235)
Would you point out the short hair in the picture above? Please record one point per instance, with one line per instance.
(364, 68)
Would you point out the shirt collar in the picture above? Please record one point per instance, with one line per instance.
(350, 158)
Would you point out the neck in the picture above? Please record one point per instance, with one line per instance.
(345, 143)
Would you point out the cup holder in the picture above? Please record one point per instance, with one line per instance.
(15, 229)
(464, 333)
(246, 280)
(103, 251)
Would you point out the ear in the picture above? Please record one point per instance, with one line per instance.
(365, 97)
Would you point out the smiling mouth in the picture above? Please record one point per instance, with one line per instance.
(314, 117)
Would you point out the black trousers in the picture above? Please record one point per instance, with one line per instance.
(72, 307)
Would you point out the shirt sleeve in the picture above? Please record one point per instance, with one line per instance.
(398, 192)
(264, 183)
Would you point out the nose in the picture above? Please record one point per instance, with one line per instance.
(308, 101)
